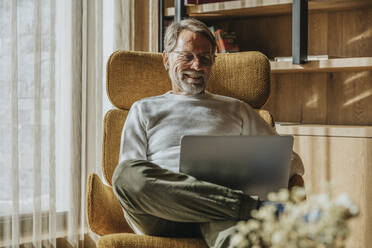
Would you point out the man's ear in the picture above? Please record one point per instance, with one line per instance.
(165, 60)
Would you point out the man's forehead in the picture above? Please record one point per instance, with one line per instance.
(194, 42)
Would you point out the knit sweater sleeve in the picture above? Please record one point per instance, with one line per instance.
(133, 143)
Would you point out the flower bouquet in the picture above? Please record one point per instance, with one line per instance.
(318, 221)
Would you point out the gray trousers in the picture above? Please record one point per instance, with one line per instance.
(160, 202)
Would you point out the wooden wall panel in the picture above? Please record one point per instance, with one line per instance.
(368, 194)
(318, 34)
(350, 33)
(314, 98)
(345, 162)
(350, 98)
(300, 98)
(322, 98)
(284, 98)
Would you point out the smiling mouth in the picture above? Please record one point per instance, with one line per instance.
(194, 77)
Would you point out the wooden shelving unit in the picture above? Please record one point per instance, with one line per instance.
(330, 65)
(330, 100)
(236, 8)
(251, 8)
(325, 131)
(339, 87)
(245, 8)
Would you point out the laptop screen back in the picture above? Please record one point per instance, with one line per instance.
(255, 164)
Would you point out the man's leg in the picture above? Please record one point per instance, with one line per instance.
(145, 189)
(155, 226)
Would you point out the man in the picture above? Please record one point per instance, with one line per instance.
(157, 199)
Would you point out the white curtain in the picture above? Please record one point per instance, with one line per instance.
(51, 101)
(136, 25)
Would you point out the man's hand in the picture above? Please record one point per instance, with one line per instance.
(295, 180)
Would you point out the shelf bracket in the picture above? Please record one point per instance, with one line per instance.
(299, 31)
(180, 10)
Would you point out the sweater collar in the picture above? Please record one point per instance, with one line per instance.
(202, 95)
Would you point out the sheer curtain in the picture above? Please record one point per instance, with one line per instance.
(136, 25)
(52, 101)
(51, 76)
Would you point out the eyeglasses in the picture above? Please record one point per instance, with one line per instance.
(188, 57)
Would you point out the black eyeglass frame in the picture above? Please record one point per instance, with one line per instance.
(203, 61)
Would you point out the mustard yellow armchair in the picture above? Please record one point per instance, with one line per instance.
(132, 76)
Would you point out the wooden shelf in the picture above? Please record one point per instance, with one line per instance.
(330, 65)
(237, 8)
(241, 8)
(325, 130)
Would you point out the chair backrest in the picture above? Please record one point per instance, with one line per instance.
(132, 76)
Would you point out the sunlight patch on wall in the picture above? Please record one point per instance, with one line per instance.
(366, 34)
(358, 98)
(313, 102)
(356, 76)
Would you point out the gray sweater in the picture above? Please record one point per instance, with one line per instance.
(155, 125)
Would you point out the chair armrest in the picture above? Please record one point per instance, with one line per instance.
(104, 212)
(127, 240)
(266, 115)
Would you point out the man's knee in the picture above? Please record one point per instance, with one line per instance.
(128, 178)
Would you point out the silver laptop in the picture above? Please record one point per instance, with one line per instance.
(256, 165)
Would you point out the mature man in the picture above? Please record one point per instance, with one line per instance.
(157, 198)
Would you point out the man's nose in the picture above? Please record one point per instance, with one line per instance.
(195, 64)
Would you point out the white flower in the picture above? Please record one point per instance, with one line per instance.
(238, 240)
(317, 222)
(344, 201)
(298, 194)
(283, 195)
(253, 224)
(272, 197)
(277, 238)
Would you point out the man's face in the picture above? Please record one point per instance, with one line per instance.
(190, 63)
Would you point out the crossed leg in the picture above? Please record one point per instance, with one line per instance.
(163, 203)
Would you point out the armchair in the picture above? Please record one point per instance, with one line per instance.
(135, 75)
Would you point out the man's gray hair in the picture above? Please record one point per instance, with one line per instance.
(193, 25)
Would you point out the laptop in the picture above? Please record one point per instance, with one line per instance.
(257, 165)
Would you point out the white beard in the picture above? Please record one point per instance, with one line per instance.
(190, 82)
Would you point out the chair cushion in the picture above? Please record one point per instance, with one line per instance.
(127, 240)
(132, 76)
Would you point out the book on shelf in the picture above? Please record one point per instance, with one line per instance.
(193, 2)
(309, 58)
(226, 41)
